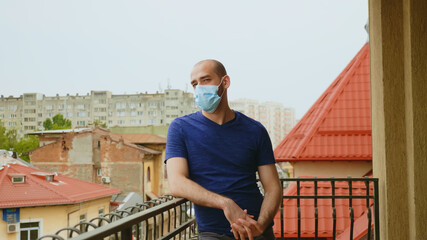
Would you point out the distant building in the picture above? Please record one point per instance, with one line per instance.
(277, 119)
(35, 202)
(130, 162)
(27, 112)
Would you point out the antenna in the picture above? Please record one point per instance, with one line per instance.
(169, 84)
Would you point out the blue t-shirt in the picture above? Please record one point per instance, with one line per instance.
(223, 159)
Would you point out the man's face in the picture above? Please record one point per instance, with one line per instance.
(204, 74)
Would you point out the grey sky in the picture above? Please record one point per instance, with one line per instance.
(274, 50)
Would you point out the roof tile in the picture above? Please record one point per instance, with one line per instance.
(37, 191)
(338, 125)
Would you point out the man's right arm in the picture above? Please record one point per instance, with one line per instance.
(182, 186)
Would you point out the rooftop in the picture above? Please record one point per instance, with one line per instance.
(39, 189)
(338, 125)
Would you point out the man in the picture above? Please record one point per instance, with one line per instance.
(212, 157)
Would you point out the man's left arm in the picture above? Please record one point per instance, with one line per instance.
(272, 196)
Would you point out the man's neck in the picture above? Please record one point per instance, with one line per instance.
(221, 115)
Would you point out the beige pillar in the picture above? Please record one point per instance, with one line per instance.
(398, 45)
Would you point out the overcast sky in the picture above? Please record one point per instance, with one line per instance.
(274, 50)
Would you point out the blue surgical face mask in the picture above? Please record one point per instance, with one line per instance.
(207, 97)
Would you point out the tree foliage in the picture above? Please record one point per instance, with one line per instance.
(9, 140)
(58, 122)
(99, 123)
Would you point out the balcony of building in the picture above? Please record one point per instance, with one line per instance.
(312, 208)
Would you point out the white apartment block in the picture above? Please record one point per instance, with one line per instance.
(277, 119)
(27, 112)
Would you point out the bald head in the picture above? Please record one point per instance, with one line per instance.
(217, 66)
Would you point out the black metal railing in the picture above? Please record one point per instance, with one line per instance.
(367, 192)
(169, 217)
(163, 218)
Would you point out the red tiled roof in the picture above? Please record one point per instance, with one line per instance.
(325, 220)
(360, 228)
(37, 191)
(338, 125)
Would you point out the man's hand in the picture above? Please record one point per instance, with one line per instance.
(246, 228)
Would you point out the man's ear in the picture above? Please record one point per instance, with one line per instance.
(226, 81)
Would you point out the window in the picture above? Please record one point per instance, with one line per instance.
(30, 111)
(61, 106)
(140, 113)
(40, 115)
(49, 107)
(81, 123)
(148, 175)
(82, 219)
(120, 105)
(12, 107)
(133, 122)
(121, 114)
(132, 105)
(133, 113)
(12, 124)
(152, 113)
(12, 116)
(80, 106)
(81, 114)
(152, 104)
(18, 179)
(29, 230)
(1, 108)
(1, 115)
(98, 170)
(70, 114)
(101, 212)
(121, 122)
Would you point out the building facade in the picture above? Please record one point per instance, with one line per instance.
(27, 112)
(34, 202)
(277, 119)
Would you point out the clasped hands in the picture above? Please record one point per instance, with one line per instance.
(246, 227)
(242, 224)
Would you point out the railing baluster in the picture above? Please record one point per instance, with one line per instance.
(299, 210)
(368, 208)
(377, 210)
(316, 227)
(334, 211)
(350, 200)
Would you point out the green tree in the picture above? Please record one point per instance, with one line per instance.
(9, 140)
(57, 122)
(47, 124)
(4, 140)
(99, 123)
(26, 144)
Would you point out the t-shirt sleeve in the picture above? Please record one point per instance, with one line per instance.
(175, 144)
(265, 149)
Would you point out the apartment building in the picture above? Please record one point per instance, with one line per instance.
(277, 119)
(27, 112)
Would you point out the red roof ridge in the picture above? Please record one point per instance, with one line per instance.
(334, 104)
(333, 97)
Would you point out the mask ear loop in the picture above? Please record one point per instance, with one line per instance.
(223, 91)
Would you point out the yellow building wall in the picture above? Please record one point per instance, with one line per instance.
(331, 168)
(53, 218)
